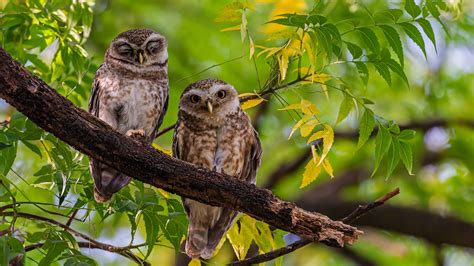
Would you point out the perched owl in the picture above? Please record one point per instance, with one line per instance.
(214, 132)
(130, 93)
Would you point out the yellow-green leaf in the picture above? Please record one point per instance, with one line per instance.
(252, 103)
(328, 167)
(328, 140)
(252, 48)
(243, 27)
(236, 27)
(241, 238)
(308, 127)
(315, 136)
(309, 108)
(311, 172)
(299, 124)
(194, 262)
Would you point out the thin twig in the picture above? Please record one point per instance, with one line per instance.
(123, 251)
(356, 214)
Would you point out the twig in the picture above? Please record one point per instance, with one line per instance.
(123, 251)
(361, 210)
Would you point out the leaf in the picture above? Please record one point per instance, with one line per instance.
(393, 39)
(382, 144)
(354, 49)
(308, 127)
(415, 35)
(396, 68)
(393, 157)
(311, 172)
(370, 39)
(363, 71)
(328, 167)
(346, 107)
(406, 156)
(4, 145)
(384, 71)
(315, 136)
(236, 27)
(328, 140)
(406, 135)
(152, 228)
(240, 237)
(250, 103)
(299, 124)
(195, 262)
(412, 8)
(367, 124)
(32, 147)
(393, 14)
(230, 12)
(426, 26)
(243, 27)
(251, 48)
(10, 247)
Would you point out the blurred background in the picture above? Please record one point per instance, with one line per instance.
(430, 223)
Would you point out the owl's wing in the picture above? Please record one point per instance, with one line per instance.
(252, 160)
(94, 98)
(160, 119)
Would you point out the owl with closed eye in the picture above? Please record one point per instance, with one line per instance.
(130, 93)
(214, 132)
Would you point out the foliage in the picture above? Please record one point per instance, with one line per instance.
(307, 50)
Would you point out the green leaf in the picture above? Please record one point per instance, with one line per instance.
(317, 19)
(382, 144)
(152, 227)
(396, 68)
(370, 39)
(406, 135)
(367, 124)
(406, 156)
(240, 236)
(363, 71)
(54, 246)
(415, 35)
(426, 26)
(393, 157)
(354, 49)
(384, 71)
(412, 8)
(393, 39)
(346, 107)
(10, 247)
(32, 147)
(4, 145)
(393, 14)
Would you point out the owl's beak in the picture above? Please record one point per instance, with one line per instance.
(209, 106)
(140, 57)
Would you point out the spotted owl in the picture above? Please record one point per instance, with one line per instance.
(214, 132)
(130, 93)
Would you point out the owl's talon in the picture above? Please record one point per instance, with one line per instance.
(137, 134)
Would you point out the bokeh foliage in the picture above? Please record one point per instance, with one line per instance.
(338, 66)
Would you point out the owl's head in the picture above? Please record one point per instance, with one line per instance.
(138, 48)
(209, 98)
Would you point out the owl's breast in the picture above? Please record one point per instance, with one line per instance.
(139, 104)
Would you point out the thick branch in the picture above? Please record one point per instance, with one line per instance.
(88, 134)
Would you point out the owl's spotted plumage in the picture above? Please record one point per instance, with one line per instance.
(214, 132)
(130, 93)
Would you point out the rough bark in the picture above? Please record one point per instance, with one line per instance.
(55, 114)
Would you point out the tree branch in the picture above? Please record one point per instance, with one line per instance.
(55, 114)
(354, 215)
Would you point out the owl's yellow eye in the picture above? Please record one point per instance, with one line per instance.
(221, 94)
(194, 98)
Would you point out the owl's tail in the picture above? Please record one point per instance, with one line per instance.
(196, 241)
(107, 180)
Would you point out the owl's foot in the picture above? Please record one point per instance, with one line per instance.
(138, 134)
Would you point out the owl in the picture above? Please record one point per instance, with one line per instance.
(130, 93)
(214, 132)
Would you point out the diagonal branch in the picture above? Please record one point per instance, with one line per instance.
(55, 114)
(361, 210)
